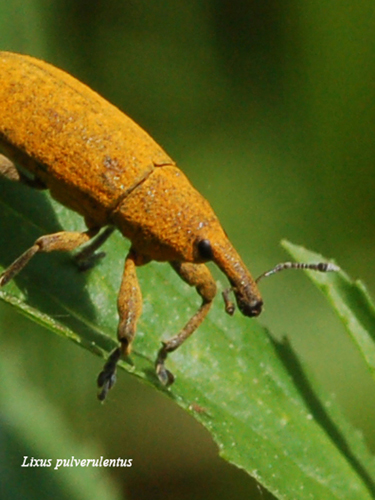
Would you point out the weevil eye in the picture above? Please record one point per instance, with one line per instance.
(204, 249)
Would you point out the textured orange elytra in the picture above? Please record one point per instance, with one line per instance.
(97, 161)
(83, 148)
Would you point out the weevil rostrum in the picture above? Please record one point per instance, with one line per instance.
(98, 162)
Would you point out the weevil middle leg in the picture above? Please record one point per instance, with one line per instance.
(129, 305)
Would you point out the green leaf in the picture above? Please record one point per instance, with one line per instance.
(259, 403)
(350, 300)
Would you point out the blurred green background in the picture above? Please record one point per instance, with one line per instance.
(269, 108)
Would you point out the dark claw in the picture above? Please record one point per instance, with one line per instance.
(107, 377)
(105, 382)
(165, 376)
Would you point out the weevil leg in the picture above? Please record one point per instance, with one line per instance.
(129, 305)
(63, 241)
(199, 276)
(88, 257)
(9, 170)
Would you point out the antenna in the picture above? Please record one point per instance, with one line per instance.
(323, 267)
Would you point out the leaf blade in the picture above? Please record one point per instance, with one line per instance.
(230, 375)
(351, 301)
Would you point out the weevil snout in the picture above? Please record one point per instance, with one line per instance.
(250, 308)
(249, 304)
(243, 285)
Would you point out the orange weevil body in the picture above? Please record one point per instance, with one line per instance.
(97, 161)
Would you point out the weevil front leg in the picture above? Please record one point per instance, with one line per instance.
(199, 276)
(63, 241)
(129, 305)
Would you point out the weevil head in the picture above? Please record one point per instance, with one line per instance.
(212, 244)
(166, 219)
(245, 289)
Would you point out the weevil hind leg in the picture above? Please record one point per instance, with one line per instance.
(63, 241)
(129, 305)
(9, 170)
(199, 276)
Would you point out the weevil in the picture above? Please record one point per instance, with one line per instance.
(58, 134)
